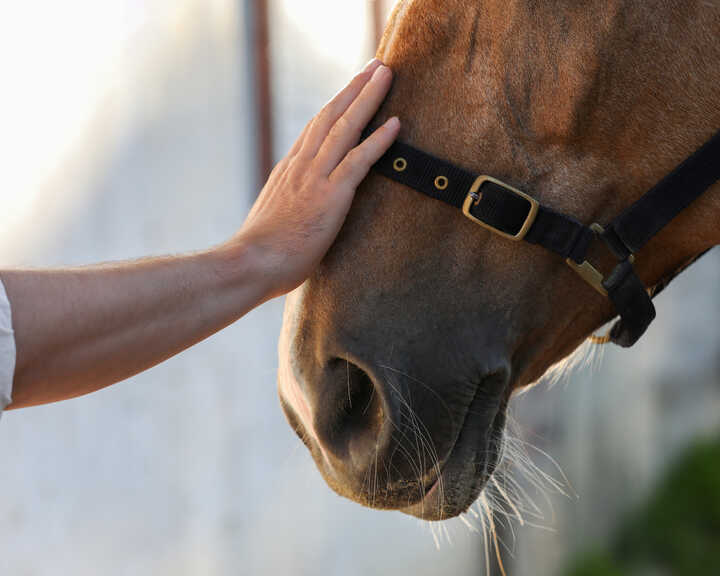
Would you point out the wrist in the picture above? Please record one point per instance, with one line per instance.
(241, 264)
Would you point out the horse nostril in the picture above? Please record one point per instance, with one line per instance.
(360, 398)
(352, 434)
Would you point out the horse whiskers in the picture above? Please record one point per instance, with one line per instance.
(347, 367)
(486, 547)
(414, 418)
(414, 464)
(434, 535)
(427, 444)
(534, 511)
(505, 497)
(489, 534)
(535, 473)
(423, 439)
(520, 493)
(494, 533)
(421, 383)
(504, 500)
(470, 525)
(518, 454)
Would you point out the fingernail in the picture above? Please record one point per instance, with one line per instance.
(370, 64)
(393, 122)
(382, 70)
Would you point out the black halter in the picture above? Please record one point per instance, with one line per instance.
(517, 216)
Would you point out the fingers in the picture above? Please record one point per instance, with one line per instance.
(357, 163)
(347, 130)
(300, 140)
(325, 120)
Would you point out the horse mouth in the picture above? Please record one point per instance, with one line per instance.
(470, 452)
(472, 460)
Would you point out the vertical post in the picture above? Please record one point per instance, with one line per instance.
(262, 89)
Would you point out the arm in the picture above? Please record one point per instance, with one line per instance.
(80, 330)
(77, 331)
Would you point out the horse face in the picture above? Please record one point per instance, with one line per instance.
(398, 356)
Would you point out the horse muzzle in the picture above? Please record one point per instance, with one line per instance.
(389, 437)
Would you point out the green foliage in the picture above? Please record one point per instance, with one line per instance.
(597, 564)
(677, 532)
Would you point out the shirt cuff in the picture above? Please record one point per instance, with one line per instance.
(7, 350)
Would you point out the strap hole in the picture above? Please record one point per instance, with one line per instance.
(400, 165)
(441, 183)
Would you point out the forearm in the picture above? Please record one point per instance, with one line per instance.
(80, 330)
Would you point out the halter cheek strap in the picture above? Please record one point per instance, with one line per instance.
(517, 216)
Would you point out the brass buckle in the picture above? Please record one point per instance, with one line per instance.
(474, 196)
(588, 272)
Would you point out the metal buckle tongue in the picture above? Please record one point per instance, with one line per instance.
(475, 196)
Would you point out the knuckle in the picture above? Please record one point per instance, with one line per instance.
(312, 176)
(357, 157)
(325, 110)
(346, 126)
(284, 164)
(304, 155)
(329, 110)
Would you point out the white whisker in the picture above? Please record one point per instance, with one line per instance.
(469, 524)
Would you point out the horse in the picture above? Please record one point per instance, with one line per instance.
(398, 356)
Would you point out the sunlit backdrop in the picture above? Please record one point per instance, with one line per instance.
(130, 128)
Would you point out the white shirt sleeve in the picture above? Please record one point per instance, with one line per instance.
(7, 350)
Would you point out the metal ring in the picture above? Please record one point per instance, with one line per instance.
(400, 165)
(441, 182)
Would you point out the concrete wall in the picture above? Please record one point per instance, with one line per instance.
(127, 131)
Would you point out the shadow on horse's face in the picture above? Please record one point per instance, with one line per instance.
(398, 356)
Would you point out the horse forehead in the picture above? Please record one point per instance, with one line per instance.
(391, 33)
(415, 26)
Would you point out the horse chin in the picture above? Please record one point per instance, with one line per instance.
(470, 464)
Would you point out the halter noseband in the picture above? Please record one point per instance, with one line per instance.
(515, 215)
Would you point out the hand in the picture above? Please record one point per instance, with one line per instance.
(307, 197)
(79, 330)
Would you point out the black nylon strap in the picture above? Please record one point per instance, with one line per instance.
(561, 234)
(420, 173)
(501, 208)
(632, 302)
(644, 219)
(630, 231)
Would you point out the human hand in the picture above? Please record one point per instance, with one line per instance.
(307, 197)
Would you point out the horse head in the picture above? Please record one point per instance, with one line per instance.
(399, 355)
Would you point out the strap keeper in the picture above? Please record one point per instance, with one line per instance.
(632, 302)
(580, 244)
(614, 243)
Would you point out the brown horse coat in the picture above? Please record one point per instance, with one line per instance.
(430, 321)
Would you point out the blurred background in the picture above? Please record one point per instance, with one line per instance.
(130, 128)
